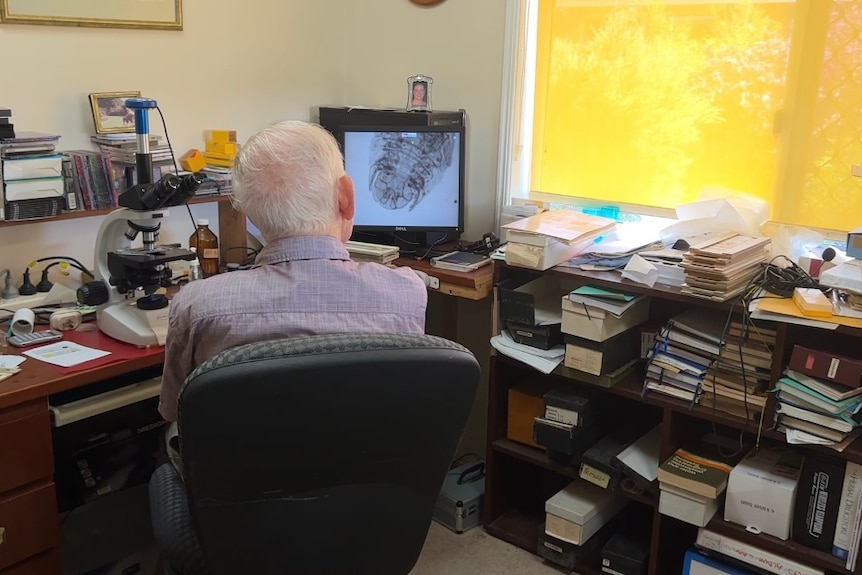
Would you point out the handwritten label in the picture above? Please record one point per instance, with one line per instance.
(595, 476)
(833, 368)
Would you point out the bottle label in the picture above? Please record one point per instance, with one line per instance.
(211, 253)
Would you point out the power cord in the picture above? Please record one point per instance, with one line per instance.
(174, 160)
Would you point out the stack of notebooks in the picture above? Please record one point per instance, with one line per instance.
(721, 268)
(377, 253)
(549, 238)
(815, 409)
(695, 358)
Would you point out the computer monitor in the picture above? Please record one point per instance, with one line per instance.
(407, 179)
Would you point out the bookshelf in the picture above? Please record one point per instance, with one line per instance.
(519, 477)
(232, 225)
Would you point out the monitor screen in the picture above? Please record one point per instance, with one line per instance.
(407, 178)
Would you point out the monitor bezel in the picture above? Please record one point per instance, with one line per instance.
(462, 161)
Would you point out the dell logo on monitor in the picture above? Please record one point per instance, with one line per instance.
(400, 229)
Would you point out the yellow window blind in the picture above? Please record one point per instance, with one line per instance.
(648, 102)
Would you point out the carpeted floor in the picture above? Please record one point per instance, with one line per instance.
(474, 552)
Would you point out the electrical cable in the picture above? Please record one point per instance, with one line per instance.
(78, 265)
(174, 160)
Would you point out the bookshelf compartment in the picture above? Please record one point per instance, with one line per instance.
(514, 468)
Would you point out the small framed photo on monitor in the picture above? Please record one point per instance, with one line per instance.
(419, 93)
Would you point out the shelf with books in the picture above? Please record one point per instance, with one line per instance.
(93, 213)
(516, 472)
(789, 548)
(541, 458)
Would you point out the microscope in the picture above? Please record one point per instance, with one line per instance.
(127, 278)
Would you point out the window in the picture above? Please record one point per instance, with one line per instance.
(648, 102)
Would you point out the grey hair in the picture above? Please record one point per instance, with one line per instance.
(285, 179)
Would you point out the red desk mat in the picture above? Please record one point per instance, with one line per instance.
(89, 335)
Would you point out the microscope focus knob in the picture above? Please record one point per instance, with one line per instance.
(93, 293)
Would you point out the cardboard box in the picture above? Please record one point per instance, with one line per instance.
(578, 511)
(525, 404)
(761, 490)
(598, 325)
(535, 302)
(538, 336)
(600, 358)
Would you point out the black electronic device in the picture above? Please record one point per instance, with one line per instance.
(406, 179)
(408, 172)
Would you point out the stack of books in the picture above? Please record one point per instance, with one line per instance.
(693, 479)
(828, 411)
(32, 176)
(549, 238)
(377, 253)
(695, 358)
(7, 129)
(721, 268)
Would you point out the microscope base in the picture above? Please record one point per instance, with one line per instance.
(126, 322)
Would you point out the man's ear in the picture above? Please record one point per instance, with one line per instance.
(346, 200)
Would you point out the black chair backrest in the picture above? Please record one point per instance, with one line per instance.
(322, 454)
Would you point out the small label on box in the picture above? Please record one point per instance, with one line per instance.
(594, 476)
(833, 368)
(584, 359)
(561, 415)
(553, 547)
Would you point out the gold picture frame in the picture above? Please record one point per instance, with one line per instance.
(110, 115)
(154, 14)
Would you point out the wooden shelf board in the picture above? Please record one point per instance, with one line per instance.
(540, 458)
(788, 549)
(102, 212)
(522, 530)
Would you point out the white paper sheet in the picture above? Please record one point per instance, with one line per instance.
(641, 271)
(65, 353)
(11, 361)
(543, 360)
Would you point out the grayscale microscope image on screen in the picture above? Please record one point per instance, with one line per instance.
(404, 177)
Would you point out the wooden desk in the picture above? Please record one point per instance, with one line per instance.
(30, 524)
(473, 285)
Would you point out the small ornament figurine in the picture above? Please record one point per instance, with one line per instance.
(419, 93)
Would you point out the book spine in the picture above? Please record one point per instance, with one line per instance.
(847, 513)
(764, 560)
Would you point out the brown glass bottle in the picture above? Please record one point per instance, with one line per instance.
(206, 244)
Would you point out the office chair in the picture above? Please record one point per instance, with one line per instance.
(319, 454)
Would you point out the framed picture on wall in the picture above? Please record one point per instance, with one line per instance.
(159, 14)
(110, 115)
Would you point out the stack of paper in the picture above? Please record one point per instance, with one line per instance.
(550, 238)
(721, 268)
(365, 252)
(543, 360)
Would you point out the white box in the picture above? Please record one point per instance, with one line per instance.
(761, 491)
(598, 325)
(541, 257)
(32, 168)
(575, 513)
(34, 189)
(686, 506)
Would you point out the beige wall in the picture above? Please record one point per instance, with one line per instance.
(244, 65)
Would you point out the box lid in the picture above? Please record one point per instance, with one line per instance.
(580, 501)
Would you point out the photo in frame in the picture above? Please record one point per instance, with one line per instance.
(155, 14)
(419, 93)
(110, 115)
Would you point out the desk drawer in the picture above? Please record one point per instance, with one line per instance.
(30, 524)
(26, 452)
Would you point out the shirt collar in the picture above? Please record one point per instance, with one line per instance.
(302, 248)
